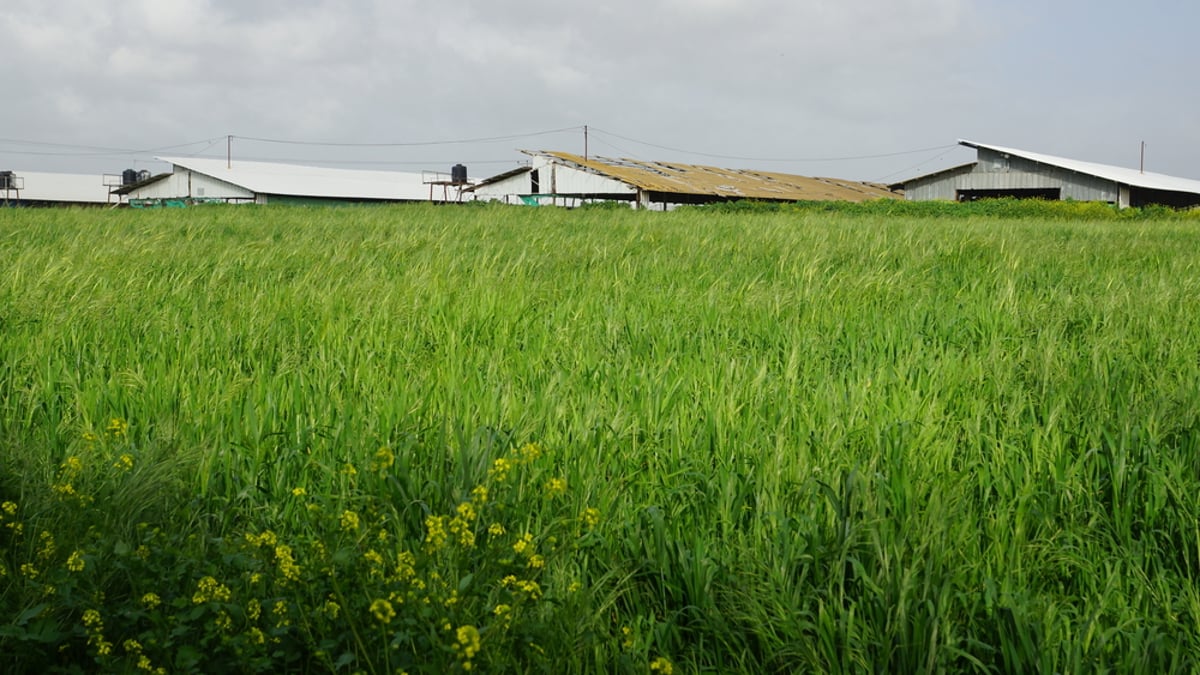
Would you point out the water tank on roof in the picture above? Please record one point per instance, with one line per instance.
(458, 174)
(7, 181)
(144, 174)
(129, 177)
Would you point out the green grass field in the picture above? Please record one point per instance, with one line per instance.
(437, 439)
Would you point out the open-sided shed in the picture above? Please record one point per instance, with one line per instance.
(566, 179)
(1008, 172)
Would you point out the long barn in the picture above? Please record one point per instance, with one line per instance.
(1008, 172)
(565, 179)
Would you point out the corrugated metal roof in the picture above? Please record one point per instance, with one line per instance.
(294, 180)
(66, 188)
(1117, 174)
(695, 179)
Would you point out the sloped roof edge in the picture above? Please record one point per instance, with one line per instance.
(1117, 174)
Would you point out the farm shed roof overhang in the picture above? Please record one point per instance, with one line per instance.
(267, 178)
(699, 181)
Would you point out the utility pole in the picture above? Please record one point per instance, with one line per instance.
(585, 147)
(1142, 163)
(229, 151)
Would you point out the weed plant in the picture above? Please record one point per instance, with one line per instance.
(429, 439)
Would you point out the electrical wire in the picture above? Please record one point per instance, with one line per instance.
(773, 159)
(490, 139)
(95, 151)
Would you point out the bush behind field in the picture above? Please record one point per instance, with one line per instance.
(421, 438)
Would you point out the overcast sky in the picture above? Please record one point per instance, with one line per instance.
(738, 83)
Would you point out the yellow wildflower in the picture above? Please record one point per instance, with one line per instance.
(383, 611)
(468, 641)
(536, 561)
(556, 487)
(117, 427)
(461, 529)
(349, 521)
(299, 491)
(151, 600)
(500, 469)
(75, 562)
(383, 459)
(496, 530)
(531, 588)
(662, 665)
(124, 462)
(209, 589)
(9, 508)
(253, 609)
(591, 517)
(287, 563)
(479, 494)
(435, 535)
(524, 545)
(530, 452)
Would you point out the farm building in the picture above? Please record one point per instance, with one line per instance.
(218, 180)
(564, 179)
(36, 188)
(1007, 172)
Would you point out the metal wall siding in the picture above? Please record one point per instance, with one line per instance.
(990, 173)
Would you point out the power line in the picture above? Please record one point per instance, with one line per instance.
(774, 159)
(92, 151)
(490, 139)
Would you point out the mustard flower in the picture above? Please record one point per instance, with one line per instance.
(117, 427)
(468, 641)
(530, 452)
(662, 665)
(590, 517)
(75, 562)
(124, 462)
(496, 530)
(461, 529)
(349, 521)
(287, 563)
(151, 601)
(383, 611)
(383, 459)
(556, 487)
(479, 494)
(524, 545)
(299, 491)
(209, 589)
(500, 469)
(435, 535)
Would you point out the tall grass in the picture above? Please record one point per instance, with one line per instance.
(831, 442)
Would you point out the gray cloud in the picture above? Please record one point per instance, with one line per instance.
(747, 78)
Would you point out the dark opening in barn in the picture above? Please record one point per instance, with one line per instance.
(1053, 194)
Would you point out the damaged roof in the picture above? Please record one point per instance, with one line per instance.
(697, 179)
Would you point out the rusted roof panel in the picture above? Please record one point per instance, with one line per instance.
(697, 179)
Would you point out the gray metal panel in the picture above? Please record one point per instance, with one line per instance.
(995, 171)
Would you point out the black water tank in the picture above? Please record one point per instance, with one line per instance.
(129, 177)
(7, 181)
(458, 174)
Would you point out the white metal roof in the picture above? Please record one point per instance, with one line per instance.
(1117, 174)
(310, 181)
(67, 188)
